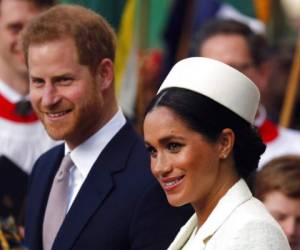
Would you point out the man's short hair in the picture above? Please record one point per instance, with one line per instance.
(280, 174)
(94, 38)
(257, 43)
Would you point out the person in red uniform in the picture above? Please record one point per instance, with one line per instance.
(22, 137)
(235, 44)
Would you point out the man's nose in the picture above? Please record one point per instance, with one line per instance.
(289, 227)
(50, 96)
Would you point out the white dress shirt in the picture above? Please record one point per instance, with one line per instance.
(85, 155)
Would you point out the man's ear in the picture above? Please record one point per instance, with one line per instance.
(105, 74)
(225, 143)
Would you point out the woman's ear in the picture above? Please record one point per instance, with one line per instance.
(225, 142)
(105, 74)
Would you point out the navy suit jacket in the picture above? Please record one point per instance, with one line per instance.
(120, 205)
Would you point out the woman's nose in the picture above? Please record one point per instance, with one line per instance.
(161, 165)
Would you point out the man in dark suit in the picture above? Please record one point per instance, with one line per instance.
(112, 201)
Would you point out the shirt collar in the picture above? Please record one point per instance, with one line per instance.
(85, 155)
(9, 93)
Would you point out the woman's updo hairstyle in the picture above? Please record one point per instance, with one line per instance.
(209, 118)
(210, 96)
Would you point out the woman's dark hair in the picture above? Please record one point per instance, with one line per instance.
(209, 118)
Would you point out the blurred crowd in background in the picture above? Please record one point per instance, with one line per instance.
(154, 34)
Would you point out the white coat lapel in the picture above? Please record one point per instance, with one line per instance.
(216, 219)
(184, 234)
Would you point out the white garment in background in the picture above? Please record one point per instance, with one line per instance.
(286, 142)
(22, 143)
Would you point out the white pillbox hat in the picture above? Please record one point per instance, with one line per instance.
(218, 81)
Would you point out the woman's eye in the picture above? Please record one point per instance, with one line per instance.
(151, 151)
(174, 147)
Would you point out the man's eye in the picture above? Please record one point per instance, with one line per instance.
(37, 81)
(15, 28)
(65, 80)
(279, 217)
(298, 221)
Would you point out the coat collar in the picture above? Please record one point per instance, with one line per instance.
(9, 111)
(235, 196)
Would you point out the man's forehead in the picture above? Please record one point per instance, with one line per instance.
(25, 5)
(225, 48)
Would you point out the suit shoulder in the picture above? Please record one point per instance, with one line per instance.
(51, 152)
(49, 155)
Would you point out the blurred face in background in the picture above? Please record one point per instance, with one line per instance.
(14, 15)
(286, 211)
(233, 50)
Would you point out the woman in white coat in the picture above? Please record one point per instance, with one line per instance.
(199, 133)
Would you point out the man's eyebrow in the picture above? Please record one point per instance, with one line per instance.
(34, 77)
(62, 76)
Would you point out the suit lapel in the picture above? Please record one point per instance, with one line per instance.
(44, 177)
(96, 187)
(184, 234)
(91, 195)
